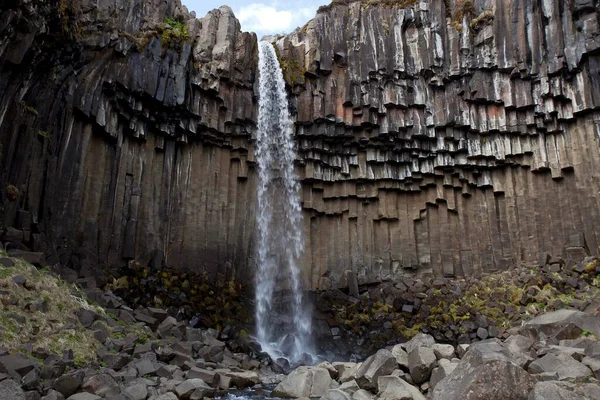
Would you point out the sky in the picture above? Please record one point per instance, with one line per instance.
(264, 17)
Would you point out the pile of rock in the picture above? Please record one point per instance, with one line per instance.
(458, 311)
(553, 356)
(182, 363)
(111, 352)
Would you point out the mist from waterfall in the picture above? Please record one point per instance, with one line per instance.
(279, 221)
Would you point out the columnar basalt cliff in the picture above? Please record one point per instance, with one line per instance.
(452, 137)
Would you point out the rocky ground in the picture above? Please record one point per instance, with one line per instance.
(467, 341)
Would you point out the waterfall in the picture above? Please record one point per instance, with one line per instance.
(279, 220)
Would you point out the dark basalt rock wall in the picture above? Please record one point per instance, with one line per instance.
(432, 137)
(123, 144)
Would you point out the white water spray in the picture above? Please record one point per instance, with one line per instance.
(279, 219)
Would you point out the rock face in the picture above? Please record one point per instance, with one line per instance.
(486, 372)
(430, 138)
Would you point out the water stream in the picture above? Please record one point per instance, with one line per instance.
(279, 221)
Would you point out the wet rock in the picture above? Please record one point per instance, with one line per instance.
(243, 379)
(304, 382)
(196, 388)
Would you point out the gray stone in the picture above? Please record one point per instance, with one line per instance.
(519, 347)
(146, 367)
(482, 333)
(486, 372)
(346, 371)
(565, 366)
(68, 384)
(552, 391)
(419, 340)
(592, 363)
(137, 390)
(379, 364)
(53, 395)
(208, 376)
(421, 361)
(362, 394)
(243, 379)
(101, 384)
(304, 382)
(196, 387)
(400, 355)
(561, 324)
(10, 390)
(591, 390)
(16, 364)
(84, 396)
(394, 388)
(166, 396)
(462, 349)
(443, 351)
(444, 369)
(31, 380)
(336, 394)
(329, 367)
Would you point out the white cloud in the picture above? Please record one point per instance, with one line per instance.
(266, 19)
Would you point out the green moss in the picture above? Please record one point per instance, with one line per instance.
(174, 33)
(27, 108)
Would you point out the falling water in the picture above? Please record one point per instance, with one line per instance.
(279, 218)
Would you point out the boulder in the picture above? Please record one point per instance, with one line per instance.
(561, 324)
(136, 390)
(592, 363)
(208, 376)
(444, 369)
(552, 391)
(486, 372)
(565, 366)
(443, 351)
(394, 388)
(243, 379)
(68, 384)
(342, 367)
(10, 390)
(519, 347)
(362, 394)
(329, 367)
(379, 364)
(401, 355)
(421, 361)
(419, 340)
(195, 388)
(304, 382)
(102, 384)
(84, 396)
(16, 364)
(336, 394)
